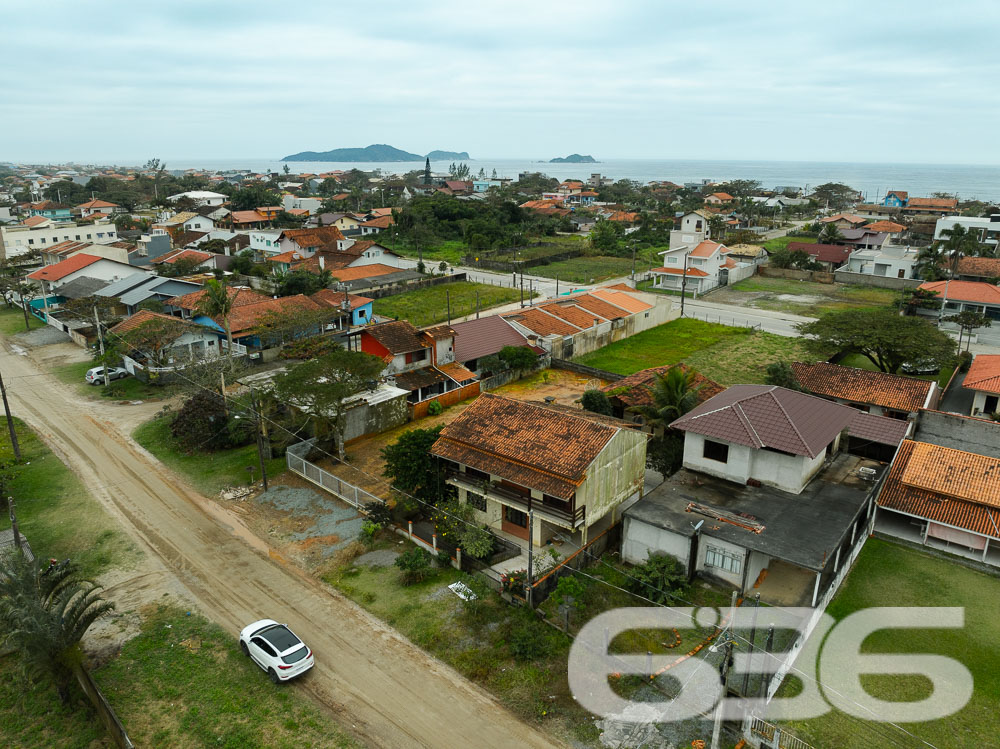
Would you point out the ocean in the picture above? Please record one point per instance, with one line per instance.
(873, 180)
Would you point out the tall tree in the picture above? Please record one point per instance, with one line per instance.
(674, 394)
(958, 242)
(830, 233)
(883, 336)
(320, 386)
(427, 172)
(217, 303)
(153, 337)
(967, 321)
(412, 468)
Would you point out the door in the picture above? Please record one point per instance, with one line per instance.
(515, 522)
(261, 652)
(990, 405)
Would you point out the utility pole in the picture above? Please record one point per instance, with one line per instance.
(557, 285)
(684, 280)
(753, 634)
(522, 291)
(259, 428)
(477, 304)
(530, 579)
(100, 341)
(768, 646)
(724, 667)
(13, 524)
(633, 262)
(10, 421)
(447, 301)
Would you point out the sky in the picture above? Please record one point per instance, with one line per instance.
(120, 82)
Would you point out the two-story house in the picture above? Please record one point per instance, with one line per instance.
(705, 265)
(767, 497)
(692, 230)
(567, 471)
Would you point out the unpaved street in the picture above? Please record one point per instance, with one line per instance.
(382, 688)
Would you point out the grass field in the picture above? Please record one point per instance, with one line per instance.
(450, 251)
(129, 388)
(12, 321)
(429, 305)
(585, 269)
(886, 574)
(743, 360)
(780, 243)
(181, 682)
(55, 512)
(802, 297)
(665, 344)
(209, 472)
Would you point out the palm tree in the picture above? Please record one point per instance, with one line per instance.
(929, 262)
(830, 233)
(217, 303)
(45, 616)
(674, 394)
(958, 242)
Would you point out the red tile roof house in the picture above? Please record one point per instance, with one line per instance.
(477, 339)
(766, 485)
(830, 256)
(421, 362)
(568, 471)
(983, 378)
(958, 296)
(575, 325)
(187, 341)
(878, 393)
(51, 277)
(708, 265)
(943, 498)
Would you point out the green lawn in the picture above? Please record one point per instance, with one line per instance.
(780, 243)
(665, 344)
(209, 472)
(56, 513)
(586, 269)
(887, 574)
(806, 297)
(181, 682)
(450, 251)
(430, 305)
(743, 360)
(12, 321)
(129, 388)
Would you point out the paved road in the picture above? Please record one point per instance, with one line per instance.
(377, 684)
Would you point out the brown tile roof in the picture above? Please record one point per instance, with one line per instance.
(64, 267)
(707, 248)
(247, 217)
(825, 253)
(624, 216)
(319, 236)
(760, 416)
(891, 391)
(484, 337)
(439, 331)
(572, 314)
(880, 429)
(696, 272)
(523, 443)
(932, 203)
(637, 388)
(184, 238)
(398, 336)
(722, 196)
(66, 247)
(35, 221)
(363, 271)
(418, 378)
(192, 255)
(627, 301)
(382, 222)
(241, 295)
(330, 298)
(540, 323)
(245, 317)
(984, 374)
(890, 227)
(848, 217)
(97, 204)
(144, 316)
(986, 267)
(965, 291)
(947, 486)
(457, 372)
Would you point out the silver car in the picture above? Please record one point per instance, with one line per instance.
(276, 649)
(95, 376)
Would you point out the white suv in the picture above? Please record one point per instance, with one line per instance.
(276, 649)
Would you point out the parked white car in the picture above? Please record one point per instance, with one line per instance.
(276, 649)
(95, 376)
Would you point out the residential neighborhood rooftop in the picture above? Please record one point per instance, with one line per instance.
(984, 374)
(857, 385)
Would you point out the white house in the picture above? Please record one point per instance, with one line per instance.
(201, 197)
(983, 378)
(706, 266)
(985, 229)
(186, 221)
(18, 239)
(693, 229)
(291, 203)
(890, 261)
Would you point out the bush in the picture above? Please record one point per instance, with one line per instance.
(964, 361)
(514, 582)
(518, 357)
(307, 348)
(527, 641)
(665, 454)
(660, 578)
(596, 401)
(415, 565)
(570, 586)
(379, 513)
(434, 408)
(443, 559)
(202, 423)
(367, 533)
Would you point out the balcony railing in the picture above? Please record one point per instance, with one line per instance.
(519, 501)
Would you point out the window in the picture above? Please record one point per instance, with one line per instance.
(476, 500)
(646, 315)
(716, 451)
(30, 241)
(90, 236)
(516, 517)
(100, 235)
(723, 559)
(77, 237)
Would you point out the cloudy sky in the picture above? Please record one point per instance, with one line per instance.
(119, 82)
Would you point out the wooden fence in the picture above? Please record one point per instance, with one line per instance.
(419, 410)
(104, 710)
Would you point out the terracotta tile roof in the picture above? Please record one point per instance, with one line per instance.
(724, 196)
(290, 256)
(984, 374)
(245, 317)
(637, 389)
(330, 298)
(185, 238)
(35, 221)
(382, 222)
(525, 444)
(986, 267)
(965, 291)
(572, 314)
(901, 194)
(319, 236)
(178, 219)
(191, 255)
(97, 204)
(439, 331)
(598, 306)
(825, 253)
(144, 316)
(761, 416)
(247, 217)
(932, 203)
(457, 372)
(890, 227)
(895, 392)
(880, 429)
(66, 247)
(241, 295)
(696, 272)
(382, 211)
(707, 249)
(483, 337)
(947, 486)
(627, 301)
(64, 267)
(617, 287)
(297, 212)
(540, 323)
(624, 216)
(398, 336)
(363, 271)
(848, 217)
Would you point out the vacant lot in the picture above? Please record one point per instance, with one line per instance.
(801, 297)
(208, 472)
(430, 305)
(585, 269)
(780, 243)
(665, 344)
(886, 574)
(12, 321)
(743, 360)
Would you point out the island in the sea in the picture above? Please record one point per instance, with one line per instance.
(573, 158)
(373, 153)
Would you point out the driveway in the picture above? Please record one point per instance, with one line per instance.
(378, 685)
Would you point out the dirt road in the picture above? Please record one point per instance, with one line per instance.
(381, 687)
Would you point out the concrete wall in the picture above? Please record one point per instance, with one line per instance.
(601, 335)
(615, 475)
(818, 276)
(736, 469)
(733, 578)
(639, 539)
(789, 473)
(883, 282)
(371, 419)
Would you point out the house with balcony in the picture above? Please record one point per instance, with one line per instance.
(705, 265)
(566, 472)
(767, 498)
